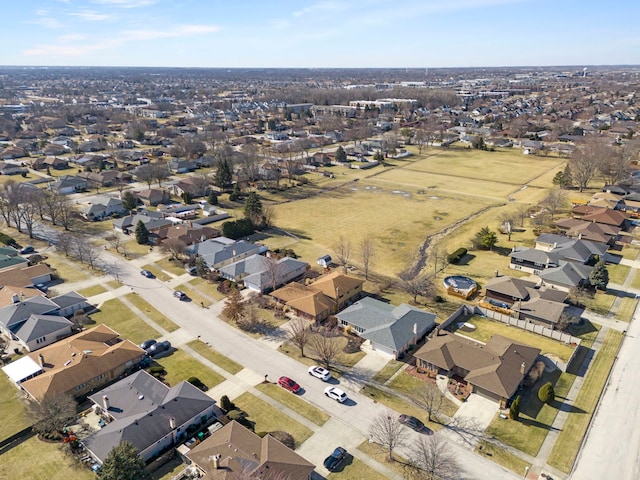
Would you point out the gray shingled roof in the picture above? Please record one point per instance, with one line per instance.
(20, 311)
(568, 274)
(68, 299)
(38, 326)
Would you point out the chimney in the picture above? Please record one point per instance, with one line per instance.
(522, 368)
(579, 236)
(41, 359)
(105, 402)
(15, 298)
(172, 423)
(216, 461)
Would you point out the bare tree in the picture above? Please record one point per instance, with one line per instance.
(64, 243)
(586, 161)
(66, 212)
(366, 253)
(432, 459)
(274, 269)
(249, 162)
(85, 251)
(29, 206)
(146, 174)
(555, 200)
(326, 347)
(174, 247)
(52, 413)
(268, 215)
(421, 285)
(201, 183)
(299, 333)
(387, 431)
(343, 252)
(438, 258)
(614, 167)
(115, 240)
(160, 173)
(431, 399)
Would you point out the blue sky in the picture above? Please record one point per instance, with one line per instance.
(323, 33)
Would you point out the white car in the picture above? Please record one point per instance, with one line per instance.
(336, 394)
(319, 372)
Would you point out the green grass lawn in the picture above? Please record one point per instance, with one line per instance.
(486, 328)
(566, 447)
(388, 371)
(67, 269)
(618, 273)
(157, 272)
(587, 332)
(37, 460)
(381, 455)
(502, 457)
(91, 291)
(630, 252)
(356, 469)
(409, 385)
(343, 360)
(626, 309)
(295, 403)
(270, 419)
(118, 316)
(12, 410)
(206, 288)
(214, 356)
(601, 303)
(194, 295)
(171, 266)
(635, 283)
(151, 312)
(528, 433)
(180, 366)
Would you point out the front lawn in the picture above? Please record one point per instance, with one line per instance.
(151, 312)
(409, 385)
(269, 419)
(618, 273)
(157, 272)
(586, 331)
(91, 291)
(14, 416)
(119, 317)
(601, 303)
(214, 356)
(570, 438)
(486, 328)
(388, 371)
(295, 403)
(626, 309)
(502, 457)
(180, 366)
(172, 266)
(381, 455)
(355, 469)
(206, 288)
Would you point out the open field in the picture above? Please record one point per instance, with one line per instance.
(151, 312)
(269, 419)
(568, 442)
(14, 417)
(118, 316)
(37, 460)
(529, 431)
(295, 403)
(486, 328)
(180, 366)
(214, 356)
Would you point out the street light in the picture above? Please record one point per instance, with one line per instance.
(526, 470)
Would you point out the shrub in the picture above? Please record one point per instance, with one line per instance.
(157, 371)
(514, 410)
(226, 404)
(240, 417)
(546, 393)
(196, 382)
(285, 438)
(456, 256)
(7, 240)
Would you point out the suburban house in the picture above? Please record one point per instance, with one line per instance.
(187, 233)
(75, 365)
(26, 276)
(221, 251)
(10, 168)
(19, 310)
(388, 329)
(236, 452)
(605, 215)
(528, 301)
(9, 260)
(56, 163)
(192, 186)
(10, 294)
(590, 231)
(38, 331)
(102, 207)
(106, 178)
(263, 274)
(69, 184)
(494, 370)
(566, 276)
(151, 220)
(153, 196)
(321, 298)
(149, 414)
(177, 165)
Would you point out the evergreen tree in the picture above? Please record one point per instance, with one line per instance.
(129, 201)
(224, 176)
(599, 276)
(341, 155)
(234, 306)
(201, 266)
(124, 463)
(546, 393)
(212, 198)
(514, 409)
(485, 239)
(253, 208)
(378, 157)
(187, 197)
(142, 234)
(563, 179)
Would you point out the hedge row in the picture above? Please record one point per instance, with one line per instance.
(457, 255)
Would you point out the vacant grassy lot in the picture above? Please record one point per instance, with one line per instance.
(566, 447)
(387, 372)
(38, 460)
(151, 312)
(294, 402)
(91, 291)
(528, 433)
(486, 328)
(343, 360)
(12, 410)
(269, 419)
(214, 356)
(180, 366)
(502, 457)
(118, 316)
(626, 309)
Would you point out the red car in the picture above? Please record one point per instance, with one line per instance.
(288, 384)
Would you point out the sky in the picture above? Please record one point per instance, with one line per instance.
(320, 33)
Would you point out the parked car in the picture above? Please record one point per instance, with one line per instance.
(157, 348)
(180, 295)
(319, 372)
(193, 271)
(146, 273)
(411, 422)
(288, 384)
(27, 249)
(147, 343)
(42, 287)
(334, 460)
(335, 394)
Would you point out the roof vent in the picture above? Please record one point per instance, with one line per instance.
(67, 363)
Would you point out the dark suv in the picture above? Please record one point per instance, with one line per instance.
(335, 459)
(158, 348)
(411, 422)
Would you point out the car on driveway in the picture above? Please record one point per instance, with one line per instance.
(288, 384)
(146, 273)
(180, 295)
(334, 460)
(335, 394)
(147, 343)
(411, 422)
(319, 372)
(27, 249)
(158, 348)
(42, 287)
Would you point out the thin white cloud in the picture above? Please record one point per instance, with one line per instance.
(126, 3)
(323, 7)
(91, 16)
(47, 22)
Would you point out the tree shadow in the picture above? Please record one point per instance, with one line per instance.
(466, 259)
(502, 251)
(581, 361)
